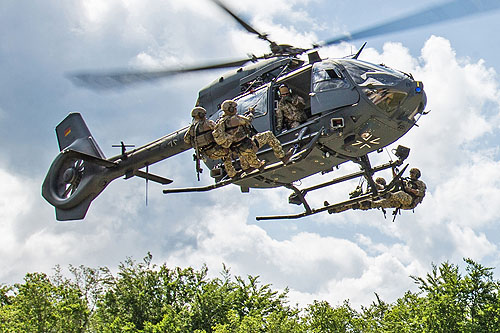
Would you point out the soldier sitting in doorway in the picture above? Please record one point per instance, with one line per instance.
(235, 132)
(290, 112)
(200, 137)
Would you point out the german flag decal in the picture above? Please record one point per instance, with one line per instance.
(67, 131)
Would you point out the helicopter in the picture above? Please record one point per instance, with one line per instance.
(353, 107)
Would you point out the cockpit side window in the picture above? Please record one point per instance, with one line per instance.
(387, 100)
(256, 100)
(326, 76)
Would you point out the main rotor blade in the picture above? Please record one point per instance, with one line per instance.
(447, 11)
(244, 24)
(120, 79)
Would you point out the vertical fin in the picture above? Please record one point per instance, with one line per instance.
(73, 128)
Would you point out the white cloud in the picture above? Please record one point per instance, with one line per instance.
(331, 257)
(14, 203)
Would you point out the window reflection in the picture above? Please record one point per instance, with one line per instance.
(256, 99)
(385, 99)
(366, 74)
(328, 77)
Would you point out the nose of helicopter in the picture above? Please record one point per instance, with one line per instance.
(416, 102)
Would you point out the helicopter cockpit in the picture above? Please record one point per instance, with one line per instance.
(378, 82)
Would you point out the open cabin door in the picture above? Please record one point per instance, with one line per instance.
(330, 89)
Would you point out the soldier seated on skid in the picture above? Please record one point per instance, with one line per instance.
(411, 194)
(235, 132)
(290, 112)
(200, 137)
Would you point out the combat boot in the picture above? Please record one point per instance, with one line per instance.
(262, 165)
(365, 205)
(285, 159)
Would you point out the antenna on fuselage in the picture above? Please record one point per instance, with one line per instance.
(359, 51)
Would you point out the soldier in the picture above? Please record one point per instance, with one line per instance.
(200, 137)
(290, 110)
(411, 194)
(262, 138)
(380, 184)
(234, 131)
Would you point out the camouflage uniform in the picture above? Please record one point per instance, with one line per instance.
(261, 139)
(199, 136)
(408, 198)
(404, 199)
(290, 111)
(233, 130)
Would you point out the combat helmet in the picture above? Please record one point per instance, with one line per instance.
(284, 90)
(381, 181)
(198, 112)
(416, 172)
(229, 107)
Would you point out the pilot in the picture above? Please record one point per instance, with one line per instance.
(199, 136)
(290, 112)
(234, 131)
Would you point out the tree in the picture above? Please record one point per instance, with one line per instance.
(143, 297)
(42, 305)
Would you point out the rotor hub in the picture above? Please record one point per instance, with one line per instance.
(69, 175)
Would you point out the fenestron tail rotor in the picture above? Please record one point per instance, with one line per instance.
(69, 177)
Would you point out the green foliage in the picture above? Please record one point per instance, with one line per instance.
(44, 305)
(143, 297)
(321, 317)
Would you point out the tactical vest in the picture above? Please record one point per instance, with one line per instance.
(416, 199)
(220, 136)
(236, 129)
(202, 134)
(293, 109)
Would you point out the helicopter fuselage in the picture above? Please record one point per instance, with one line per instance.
(353, 108)
(356, 106)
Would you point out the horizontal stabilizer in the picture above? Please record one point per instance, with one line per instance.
(90, 158)
(154, 178)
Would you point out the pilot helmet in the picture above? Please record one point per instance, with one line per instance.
(284, 90)
(229, 107)
(198, 112)
(416, 172)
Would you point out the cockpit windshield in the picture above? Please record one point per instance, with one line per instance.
(366, 74)
(376, 82)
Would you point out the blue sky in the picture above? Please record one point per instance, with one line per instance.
(330, 257)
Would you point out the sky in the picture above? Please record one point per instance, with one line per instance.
(351, 255)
